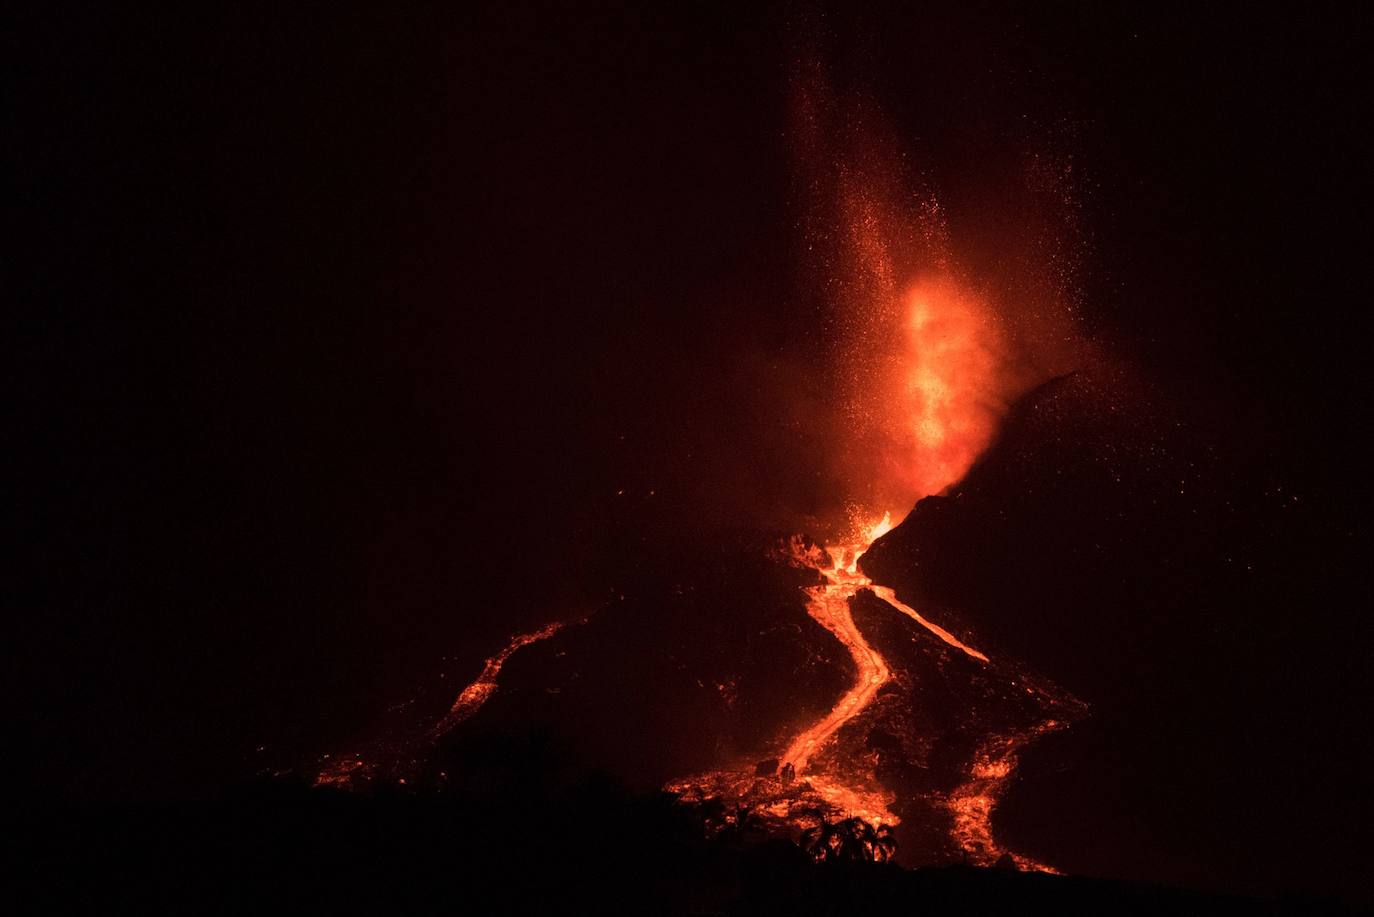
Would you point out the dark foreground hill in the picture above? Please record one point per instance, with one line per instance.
(596, 850)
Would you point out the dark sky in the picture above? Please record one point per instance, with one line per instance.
(340, 330)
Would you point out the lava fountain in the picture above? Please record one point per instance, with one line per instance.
(925, 362)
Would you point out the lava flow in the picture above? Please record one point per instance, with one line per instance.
(475, 695)
(356, 770)
(924, 362)
(890, 597)
(827, 772)
(973, 801)
(829, 606)
(800, 794)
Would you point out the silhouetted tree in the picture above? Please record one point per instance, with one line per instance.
(849, 840)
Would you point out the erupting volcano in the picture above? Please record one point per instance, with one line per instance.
(706, 459)
(925, 362)
(923, 740)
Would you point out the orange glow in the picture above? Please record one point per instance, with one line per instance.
(476, 694)
(829, 606)
(931, 335)
(925, 353)
(928, 353)
(930, 396)
(972, 802)
(948, 392)
(821, 772)
(354, 770)
(879, 529)
(890, 597)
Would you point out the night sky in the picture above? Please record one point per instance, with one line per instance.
(350, 339)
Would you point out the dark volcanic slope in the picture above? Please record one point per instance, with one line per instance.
(1183, 588)
(704, 657)
(929, 723)
(1079, 537)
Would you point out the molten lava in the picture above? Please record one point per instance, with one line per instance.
(973, 801)
(824, 775)
(476, 694)
(890, 597)
(350, 771)
(924, 362)
(829, 606)
(801, 794)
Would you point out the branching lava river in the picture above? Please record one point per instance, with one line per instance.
(821, 776)
(937, 690)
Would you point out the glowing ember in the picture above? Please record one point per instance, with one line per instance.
(344, 773)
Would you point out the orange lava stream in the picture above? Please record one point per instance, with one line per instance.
(890, 597)
(477, 693)
(972, 802)
(355, 770)
(829, 605)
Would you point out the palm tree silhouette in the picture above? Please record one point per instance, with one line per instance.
(849, 840)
